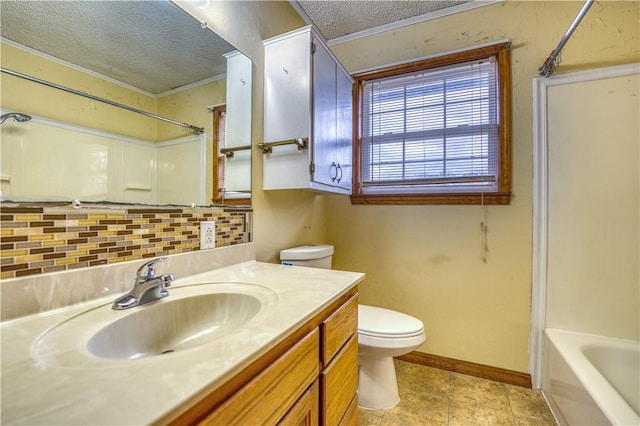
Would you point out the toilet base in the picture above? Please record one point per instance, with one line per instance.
(377, 383)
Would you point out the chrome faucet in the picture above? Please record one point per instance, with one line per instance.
(147, 287)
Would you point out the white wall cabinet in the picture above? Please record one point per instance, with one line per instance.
(237, 165)
(308, 95)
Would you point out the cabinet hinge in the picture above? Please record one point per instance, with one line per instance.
(313, 47)
(312, 168)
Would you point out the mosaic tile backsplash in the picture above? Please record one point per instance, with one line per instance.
(37, 240)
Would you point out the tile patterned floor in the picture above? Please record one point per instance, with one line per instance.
(429, 396)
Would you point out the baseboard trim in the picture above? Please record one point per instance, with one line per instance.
(469, 368)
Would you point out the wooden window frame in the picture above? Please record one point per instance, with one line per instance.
(502, 194)
(218, 143)
(218, 163)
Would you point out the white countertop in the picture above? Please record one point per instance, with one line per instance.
(36, 390)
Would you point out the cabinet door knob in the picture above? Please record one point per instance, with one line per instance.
(335, 176)
(339, 168)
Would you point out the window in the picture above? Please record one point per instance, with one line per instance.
(436, 131)
(222, 195)
(219, 134)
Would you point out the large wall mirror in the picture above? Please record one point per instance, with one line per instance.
(163, 75)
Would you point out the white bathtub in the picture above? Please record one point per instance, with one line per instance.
(591, 380)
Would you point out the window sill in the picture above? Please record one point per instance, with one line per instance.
(234, 201)
(471, 198)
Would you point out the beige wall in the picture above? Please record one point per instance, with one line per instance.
(426, 260)
(36, 99)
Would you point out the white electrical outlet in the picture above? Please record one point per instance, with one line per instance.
(207, 235)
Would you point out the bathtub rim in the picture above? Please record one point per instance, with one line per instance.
(569, 345)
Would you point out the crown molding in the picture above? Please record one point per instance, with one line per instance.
(104, 77)
(409, 21)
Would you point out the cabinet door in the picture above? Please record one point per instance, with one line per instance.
(324, 117)
(287, 110)
(270, 395)
(344, 141)
(239, 92)
(306, 412)
(287, 91)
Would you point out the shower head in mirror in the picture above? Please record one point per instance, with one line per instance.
(17, 116)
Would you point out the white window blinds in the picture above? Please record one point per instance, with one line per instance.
(433, 130)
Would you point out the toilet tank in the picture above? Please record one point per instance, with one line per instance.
(312, 255)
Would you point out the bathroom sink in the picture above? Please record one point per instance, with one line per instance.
(190, 317)
(179, 324)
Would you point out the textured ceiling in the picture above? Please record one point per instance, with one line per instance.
(339, 18)
(152, 45)
(156, 46)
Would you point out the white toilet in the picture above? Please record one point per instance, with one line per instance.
(382, 335)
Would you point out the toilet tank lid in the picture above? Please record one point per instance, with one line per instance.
(308, 252)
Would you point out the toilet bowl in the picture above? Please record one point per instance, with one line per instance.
(382, 335)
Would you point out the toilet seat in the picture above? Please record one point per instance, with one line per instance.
(390, 336)
(384, 323)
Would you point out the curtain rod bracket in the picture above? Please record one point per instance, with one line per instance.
(552, 62)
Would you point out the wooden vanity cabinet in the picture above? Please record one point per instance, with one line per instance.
(309, 379)
(339, 355)
(271, 394)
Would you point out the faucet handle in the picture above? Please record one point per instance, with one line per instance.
(150, 269)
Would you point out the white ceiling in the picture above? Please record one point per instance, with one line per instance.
(336, 19)
(152, 45)
(155, 46)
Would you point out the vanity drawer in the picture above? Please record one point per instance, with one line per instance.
(338, 328)
(270, 395)
(339, 384)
